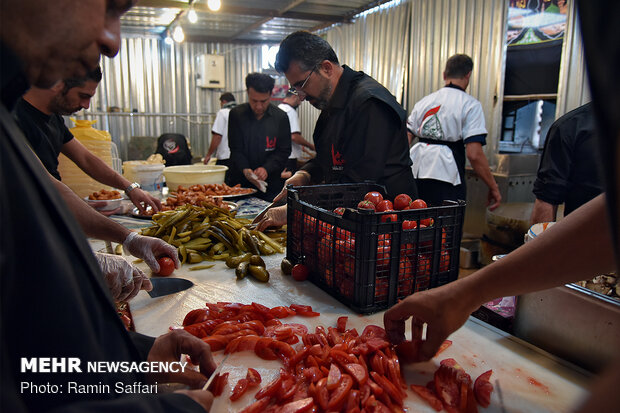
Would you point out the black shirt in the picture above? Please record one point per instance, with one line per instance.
(362, 136)
(46, 134)
(260, 142)
(569, 169)
(53, 300)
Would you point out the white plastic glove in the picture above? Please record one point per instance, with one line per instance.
(274, 217)
(150, 249)
(251, 176)
(123, 278)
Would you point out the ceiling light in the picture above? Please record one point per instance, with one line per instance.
(192, 16)
(214, 5)
(178, 34)
(168, 40)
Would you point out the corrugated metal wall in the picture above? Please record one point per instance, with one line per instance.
(573, 88)
(154, 85)
(473, 27)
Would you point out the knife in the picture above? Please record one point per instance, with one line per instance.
(215, 372)
(165, 286)
(267, 208)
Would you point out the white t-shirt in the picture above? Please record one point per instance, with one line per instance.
(450, 115)
(293, 119)
(220, 126)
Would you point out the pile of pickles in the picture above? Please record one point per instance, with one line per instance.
(212, 233)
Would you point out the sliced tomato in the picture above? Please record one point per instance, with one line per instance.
(388, 387)
(430, 397)
(297, 406)
(353, 400)
(283, 351)
(313, 374)
(271, 389)
(298, 328)
(376, 364)
(216, 342)
(341, 393)
(341, 324)
(218, 384)
(280, 312)
(447, 387)
(372, 330)
(239, 390)
(196, 316)
(483, 389)
(288, 388)
(263, 349)
(322, 395)
(443, 346)
(374, 387)
(333, 377)
(358, 372)
(242, 343)
(258, 406)
(253, 377)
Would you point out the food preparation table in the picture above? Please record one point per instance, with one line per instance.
(530, 379)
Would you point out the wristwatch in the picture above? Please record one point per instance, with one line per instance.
(132, 187)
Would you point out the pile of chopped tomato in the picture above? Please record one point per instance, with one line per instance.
(452, 389)
(330, 369)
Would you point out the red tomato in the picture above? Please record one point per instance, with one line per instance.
(374, 197)
(358, 372)
(258, 406)
(418, 204)
(218, 384)
(300, 272)
(271, 389)
(253, 377)
(166, 266)
(342, 324)
(483, 389)
(389, 217)
(407, 225)
(297, 406)
(333, 377)
(341, 393)
(443, 346)
(239, 390)
(429, 396)
(385, 205)
(426, 222)
(366, 205)
(322, 395)
(401, 202)
(339, 210)
(263, 349)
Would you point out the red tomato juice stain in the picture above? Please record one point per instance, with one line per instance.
(536, 383)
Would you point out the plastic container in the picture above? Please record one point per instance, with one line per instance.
(99, 143)
(537, 229)
(148, 175)
(188, 175)
(363, 258)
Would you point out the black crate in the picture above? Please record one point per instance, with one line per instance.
(353, 256)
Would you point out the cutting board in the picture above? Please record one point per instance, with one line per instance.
(530, 379)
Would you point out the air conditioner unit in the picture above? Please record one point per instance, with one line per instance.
(210, 73)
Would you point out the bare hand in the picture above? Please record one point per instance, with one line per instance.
(141, 199)
(274, 217)
(298, 179)
(493, 198)
(443, 310)
(206, 160)
(169, 348)
(261, 173)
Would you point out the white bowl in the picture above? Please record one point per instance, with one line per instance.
(104, 204)
(188, 175)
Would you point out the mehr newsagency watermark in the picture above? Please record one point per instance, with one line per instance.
(75, 365)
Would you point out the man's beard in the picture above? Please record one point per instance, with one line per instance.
(59, 106)
(321, 101)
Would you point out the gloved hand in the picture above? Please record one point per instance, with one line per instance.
(299, 178)
(150, 249)
(123, 278)
(274, 217)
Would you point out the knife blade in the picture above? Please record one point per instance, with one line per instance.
(215, 372)
(262, 213)
(165, 286)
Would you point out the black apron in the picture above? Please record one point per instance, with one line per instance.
(458, 151)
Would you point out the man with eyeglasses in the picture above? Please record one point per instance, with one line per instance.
(361, 134)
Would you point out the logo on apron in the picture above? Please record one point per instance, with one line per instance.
(337, 160)
(170, 146)
(270, 144)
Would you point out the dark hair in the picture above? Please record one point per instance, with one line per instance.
(458, 66)
(94, 75)
(227, 97)
(305, 48)
(260, 82)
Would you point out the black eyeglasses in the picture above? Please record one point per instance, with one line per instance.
(297, 91)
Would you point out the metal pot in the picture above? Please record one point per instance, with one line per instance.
(508, 223)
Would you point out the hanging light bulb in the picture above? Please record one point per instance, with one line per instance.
(214, 5)
(192, 16)
(168, 40)
(178, 34)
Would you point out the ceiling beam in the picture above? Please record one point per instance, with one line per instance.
(243, 11)
(211, 39)
(292, 4)
(348, 18)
